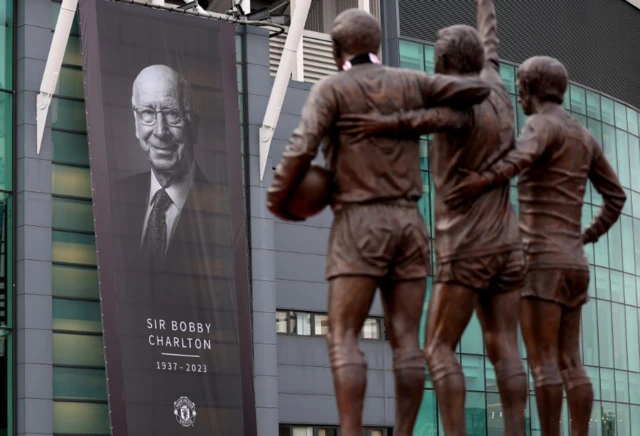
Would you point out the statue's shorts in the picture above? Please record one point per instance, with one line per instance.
(380, 240)
(565, 286)
(495, 273)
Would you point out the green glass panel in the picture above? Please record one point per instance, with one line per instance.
(427, 420)
(495, 421)
(70, 83)
(615, 246)
(473, 367)
(508, 74)
(490, 376)
(634, 162)
(79, 384)
(55, 11)
(585, 220)
(68, 115)
(594, 376)
(627, 208)
(623, 157)
(605, 334)
(71, 181)
(617, 287)
(76, 215)
(609, 146)
(472, 338)
(73, 53)
(632, 121)
(581, 119)
(412, 55)
(430, 59)
(635, 202)
(593, 105)
(77, 316)
(619, 336)
(621, 116)
(578, 100)
(80, 418)
(595, 127)
(73, 248)
(636, 239)
(78, 350)
(595, 423)
(607, 384)
(607, 110)
(601, 248)
(592, 281)
(633, 338)
(626, 224)
(596, 198)
(75, 282)
(514, 103)
(623, 420)
(630, 289)
(634, 388)
(522, 118)
(475, 414)
(6, 140)
(635, 419)
(590, 335)
(71, 148)
(566, 100)
(6, 52)
(603, 283)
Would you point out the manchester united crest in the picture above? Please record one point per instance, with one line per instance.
(185, 411)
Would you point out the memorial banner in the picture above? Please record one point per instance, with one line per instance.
(164, 143)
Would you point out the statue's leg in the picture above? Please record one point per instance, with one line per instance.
(498, 314)
(350, 299)
(403, 302)
(450, 310)
(576, 380)
(540, 322)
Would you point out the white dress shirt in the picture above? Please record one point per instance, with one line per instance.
(178, 192)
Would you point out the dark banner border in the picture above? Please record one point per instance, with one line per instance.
(88, 10)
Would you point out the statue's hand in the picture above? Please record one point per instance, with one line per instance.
(362, 126)
(467, 191)
(588, 237)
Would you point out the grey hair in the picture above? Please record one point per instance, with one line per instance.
(184, 88)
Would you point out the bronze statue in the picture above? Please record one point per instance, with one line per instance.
(555, 155)
(481, 263)
(378, 238)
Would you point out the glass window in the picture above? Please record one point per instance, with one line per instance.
(71, 148)
(636, 240)
(585, 220)
(627, 208)
(624, 420)
(495, 421)
(633, 339)
(634, 162)
(581, 119)
(427, 420)
(70, 83)
(623, 157)
(622, 386)
(628, 250)
(617, 290)
(605, 334)
(634, 388)
(6, 140)
(373, 432)
(78, 350)
(595, 423)
(632, 121)
(522, 118)
(80, 418)
(321, 325)
(593, 105)
(55, 11)
(75, 282)
(371, 329)
(590, 335)
(328, 432)
(630, 289)
(608, 385)
(566, 100)
(473, 367)
(411, 55)
(300, 323)
(430, 59)
(608, 419)
(508, 75)
(609, 146)
(607, 110)
(603, 285)
(73, 248)
(594, 376)
(6, 42)
(635, 419)
(490, 376)
(595, 127)
(71, 181)
(615, 246)
(79, 384)
(601, 247)
(78, 316)
(68, 115)
(578, 100)
(635, 201)
(73, 53)
(70, 214)
(621, 116)
(281, 322)
(472, 338)
(475, 414)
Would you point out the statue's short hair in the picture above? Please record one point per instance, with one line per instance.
(356, 32)
(545, 77)
(462, 46)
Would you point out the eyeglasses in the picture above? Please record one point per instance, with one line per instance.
(148, 116)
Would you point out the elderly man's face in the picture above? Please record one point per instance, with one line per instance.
(161, 125)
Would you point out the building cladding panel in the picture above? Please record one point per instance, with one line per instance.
(597, 40)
